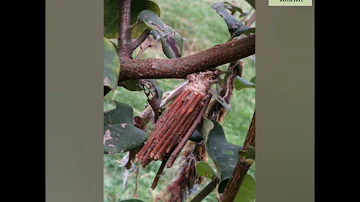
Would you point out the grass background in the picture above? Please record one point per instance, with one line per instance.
(203, 28)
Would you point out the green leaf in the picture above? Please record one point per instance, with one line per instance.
(241, 83)
(132, 85)
(233, 8)
(196, 136)
(131, 200)
(153, 21)
(117, 95)
(249, 62)
(248, 155)
(172, 45)
(136, 7)
(109, 104)
(247, 191)
(172, 42)
(156, 35)
(235, 26)
(253, 80)
(204, 169)
(114, 44)
(122, 137)
(111, 16)
(122, 114)
(244, 30)
(225, 155)
(205, 127)
(111, 65)
(251, 3)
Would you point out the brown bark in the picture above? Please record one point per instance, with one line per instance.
(124, 38)
(180, 67)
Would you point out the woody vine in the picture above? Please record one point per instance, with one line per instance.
(184, 123)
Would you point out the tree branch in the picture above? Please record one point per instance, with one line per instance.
(124, 38)
(180, 67)
(241, 167)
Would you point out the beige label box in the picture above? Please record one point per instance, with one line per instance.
(290, 2)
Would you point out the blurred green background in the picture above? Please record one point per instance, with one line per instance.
(203, 28)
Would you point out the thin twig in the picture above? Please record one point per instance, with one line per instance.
(206, 191)
(247, 15)
(143, 48)
(159, 173)
(251, 20)
(140, 40)
(136, 181)
(172, 94)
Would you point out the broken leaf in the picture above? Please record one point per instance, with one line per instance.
(122, 137)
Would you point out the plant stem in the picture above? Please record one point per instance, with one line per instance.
(206, 191)
(140, 40)
(136, 181)
(158, 174)
(124, 38)
(143, 48)
(251, 20)
(155, 68)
